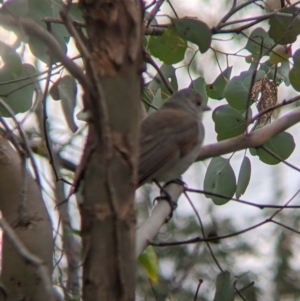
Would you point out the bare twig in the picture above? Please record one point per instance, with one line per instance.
(279, 159)
(283, 103)
(164, 79)
(234, 9)
(153, 12)
(203, 233)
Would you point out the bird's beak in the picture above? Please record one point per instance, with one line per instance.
(206, 108)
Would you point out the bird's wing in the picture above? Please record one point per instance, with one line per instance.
(166, 136)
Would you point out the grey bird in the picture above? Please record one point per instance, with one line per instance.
(171, 138)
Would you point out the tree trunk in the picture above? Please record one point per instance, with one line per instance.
(109, 163)
(22, 206)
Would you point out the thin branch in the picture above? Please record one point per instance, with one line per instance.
(259, 206)
(173, 9)
(200, 239)
(154, 31)
(60, 21)
(164, 79)
(283, 103)
(258, 19)
(279, 159)
(234, 9)
(203, 233)
(286, 204)
(151, 15)
(200, 281)
(74, 33)
(254, 139)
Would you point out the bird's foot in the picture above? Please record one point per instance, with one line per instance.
(176, 181)
(166, 197)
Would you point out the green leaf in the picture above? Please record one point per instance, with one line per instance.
(54, 90)
(237, 90)
(280, 53)
(244, 177)
(40, 50)
(41, 8)
(199, 85)
(281, 145)
(59, 29)
(228, 122)
(157, 101)
(76, 13)
(220, 179)
(294, 74)
(216, 89)
(37, 11)
(168, 47)
(19, 93)
(67, 89)
(259, 42)
(169, 72)
(148, 260)
(296, 58)
(12, 63)
(224, 288)
(281, 72)
(15, 7)
(194, 31)
(284, 28)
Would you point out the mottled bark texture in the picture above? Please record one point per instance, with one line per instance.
(108, 166)
(23, 208)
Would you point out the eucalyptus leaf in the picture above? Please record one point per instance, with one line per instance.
(169, 47)
(68, 90)
(148, 260)
(244, 177)
(11, 61)
(281, 72)
(228, 122)
(220, 179)
(237, 90)
(216, 89)
(199, 85)
(53, 91)
(194, 31)
(157, 101)
(259, 42)
(15, 7)
(294, 74)
(169, 73)
(285, 27)
(19, 92)
(224, 287)
(282, 145)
